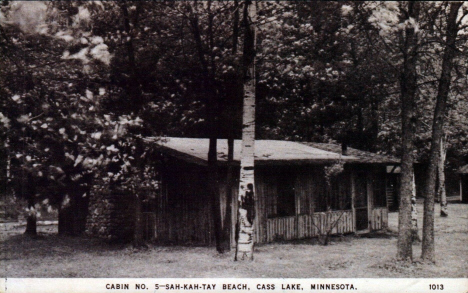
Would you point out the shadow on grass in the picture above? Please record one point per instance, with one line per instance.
(394, 266)
(335, 239)
(383, 234)
(45, 244)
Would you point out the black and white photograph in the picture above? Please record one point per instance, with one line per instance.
(273, 146)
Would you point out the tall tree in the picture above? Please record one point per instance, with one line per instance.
(441, 192)
(57, 117)
(414, 213)
(247, 197)
(133, 89)
(324, 77)
(408, 85)
(232, 113)
(452, 27)
(38, 94)
(209, 88)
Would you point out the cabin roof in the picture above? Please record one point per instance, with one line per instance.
(267, 152)
(363, 156)
(463, 170)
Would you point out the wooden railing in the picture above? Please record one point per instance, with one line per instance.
(379, 219)
(306, 226)
(288, 228)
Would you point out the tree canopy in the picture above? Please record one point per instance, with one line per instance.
(83, 82)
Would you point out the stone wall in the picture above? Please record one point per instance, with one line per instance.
(111, 215)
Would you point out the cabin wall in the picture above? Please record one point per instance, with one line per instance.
(317, 208)
(379, 188)
(378, 210)
(293, 202)
(369, 194)
(183, 207)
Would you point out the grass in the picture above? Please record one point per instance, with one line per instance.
(49, 255)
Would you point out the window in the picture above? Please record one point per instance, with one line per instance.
(336, 196)
(286, 196)
(282, 201)
(340, 192)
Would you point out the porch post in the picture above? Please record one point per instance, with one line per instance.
(353, 197)
(234, 209)
(297, 202)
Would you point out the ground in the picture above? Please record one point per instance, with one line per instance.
(52, 256)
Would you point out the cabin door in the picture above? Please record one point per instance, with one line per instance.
(361, 202)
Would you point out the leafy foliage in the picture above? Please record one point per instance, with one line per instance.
(82, 82)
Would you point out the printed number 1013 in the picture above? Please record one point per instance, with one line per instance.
(436, 286)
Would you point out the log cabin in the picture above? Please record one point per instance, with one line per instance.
(294, 200)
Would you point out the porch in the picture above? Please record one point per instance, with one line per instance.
(307, 226)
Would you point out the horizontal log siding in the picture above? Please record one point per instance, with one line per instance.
(306, 226)
(379, 219)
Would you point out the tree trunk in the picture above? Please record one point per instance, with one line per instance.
(231, 114)
(134, 90)
(215, 204)
(442, 194)
(408, 85)
(81, 211)
(414, 214)
(247, 197)
(65, 221)
(133, 84)
(31, 220)
(214, 133)
(229, 179)
(72, 217)
(212, 117)
(213, 188)
(428, 248)
(31, 225)
(66, 216)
